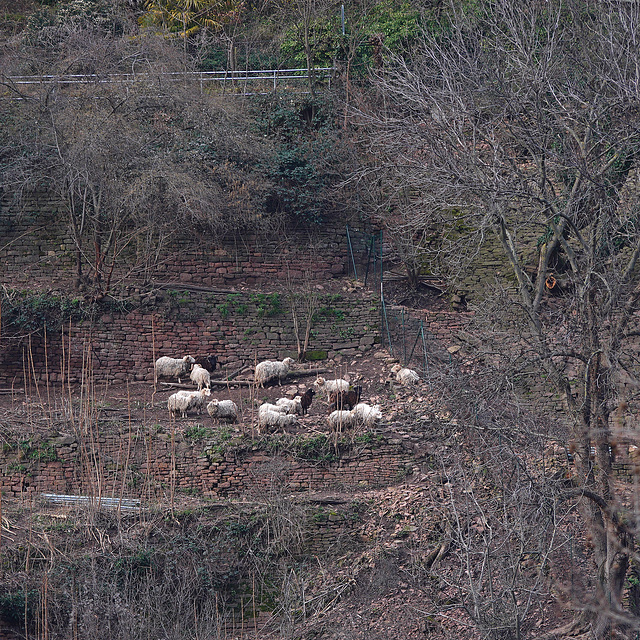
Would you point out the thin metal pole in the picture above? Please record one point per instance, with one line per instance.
(353, 262)
(381, 256)
(382, 309)
(371, 246)
(404, 339)
(385, 320)
(424, 348)
(414, 346)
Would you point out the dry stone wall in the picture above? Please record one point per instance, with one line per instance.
(159, 462)
(34, 243)
(239, 327)
(36, 250)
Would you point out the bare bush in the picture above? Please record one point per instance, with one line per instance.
(520, 125)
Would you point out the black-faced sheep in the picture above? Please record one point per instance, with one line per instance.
(405, 376)
(272, 369)
(305, 400)
(166, 367)
(332, 386)
(342, 399)
(207, 362)
(223, 410)
(185, 401)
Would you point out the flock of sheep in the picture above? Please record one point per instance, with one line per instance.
(346, 409)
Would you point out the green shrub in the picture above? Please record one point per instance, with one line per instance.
(15, 604)
(267, 304)
(42, 452)
(198, 432)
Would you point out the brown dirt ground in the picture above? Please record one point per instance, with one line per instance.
(389, 595)
(39, 408)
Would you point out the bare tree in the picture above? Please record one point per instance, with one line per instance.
(521, 123)
(135, 161)
(303, 299)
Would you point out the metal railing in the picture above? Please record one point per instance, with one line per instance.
(268, 77)
(123, 504)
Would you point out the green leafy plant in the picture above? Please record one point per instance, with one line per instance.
(232, 301)
(43, 452)
(267, 304)
(16, 467)
(395, 25)
(315, 449)
(224, 309)
(369, 438)
(34, 312)
(219, 441)
(198, 432)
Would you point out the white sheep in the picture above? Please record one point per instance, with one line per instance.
(267, 406)
(200, 376)
(366, 414)
(339, 420)
(167, 367)
(361, 414)
(272, 369)
(332, 386)
(405, 376)
(185, 401)
(268, 418)
(291, 406)
(223, 410)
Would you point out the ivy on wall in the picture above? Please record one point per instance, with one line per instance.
(27, 312)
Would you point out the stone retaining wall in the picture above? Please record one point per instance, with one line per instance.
(34, 243)
(36, 249)
(152, 465)
(240, 328)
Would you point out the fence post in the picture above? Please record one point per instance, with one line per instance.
(382, 310)
(424, 349)
(371, 245)
(353, 262)
(404, 339)
(413, 348)
(385, 320)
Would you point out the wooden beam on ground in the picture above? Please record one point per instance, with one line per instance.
(301, 373)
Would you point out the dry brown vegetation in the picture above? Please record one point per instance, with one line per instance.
(472, 542)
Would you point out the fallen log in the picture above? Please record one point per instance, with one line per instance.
(230, 380)
(292, 374)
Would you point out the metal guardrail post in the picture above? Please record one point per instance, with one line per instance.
(353, 261)
(424, 349)
(404, 338)
(371, 245)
